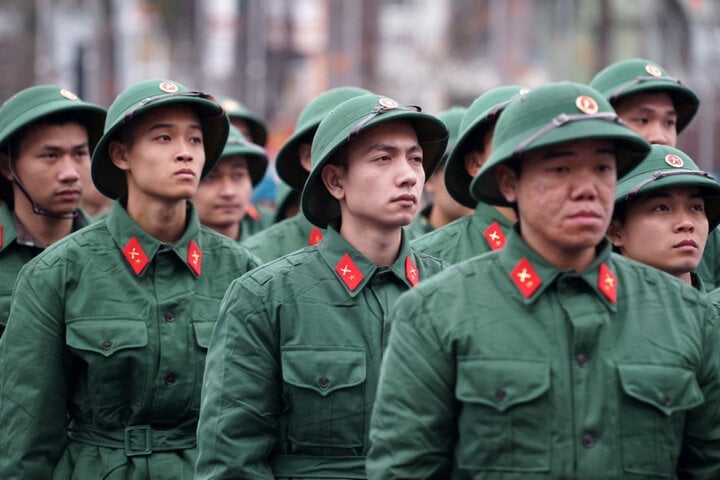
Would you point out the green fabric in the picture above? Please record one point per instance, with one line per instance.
(709, 267)
(420, 225)
(463, 238)
(294, 362)
(280, 238)
(250, 226)
(14, 255)
(480, 382)
(255, 156)
(91, 342)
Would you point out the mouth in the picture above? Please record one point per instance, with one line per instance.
(185, 172)
(686, 244)
(69, 193)
(405, 199)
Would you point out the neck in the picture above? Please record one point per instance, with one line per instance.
(43, 228)
(164, 220)
(380, 247)
(686, 277)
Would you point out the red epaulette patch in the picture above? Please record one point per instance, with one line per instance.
(607, 283)
(349, 273)
(135, 255)
(494, 236)
(194, 257)
(525, 278)
(411, 272)
(253, 212)
(315, 237)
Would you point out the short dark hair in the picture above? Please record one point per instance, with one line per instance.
(59, 118)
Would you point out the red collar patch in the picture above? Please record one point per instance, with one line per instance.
(194, 257)
(348, 272)
(315, 236)
(607, 283)
(252, 212)
(135, 255)
(494, 236)
(411, 272)
(525, 278)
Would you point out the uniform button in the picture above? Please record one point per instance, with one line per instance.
(170, 378)
(588, 440)
(106, 345)
(500, 394)
(666, 400)
(323, 382)
(169, 316)
(582, 360)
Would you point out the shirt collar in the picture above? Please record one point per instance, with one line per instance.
(138, 248)
(11, 228)
(354, 271)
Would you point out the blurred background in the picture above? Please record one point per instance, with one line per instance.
(276, 55)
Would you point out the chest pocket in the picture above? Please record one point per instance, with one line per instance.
(325, 390)
(652, 413)
(114, 361)
(505, 416)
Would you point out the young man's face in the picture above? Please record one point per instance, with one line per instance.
(223, 195)
(166, 157)
(447, 206)
(382, 184)
(52, 163)
(666, 229)
(564, 195)
(650, 115)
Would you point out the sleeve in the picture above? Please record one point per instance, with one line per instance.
(33, 379)
(413, 431)
(700, 455)
(240, 403)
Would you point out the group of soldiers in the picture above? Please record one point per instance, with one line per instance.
(551, 314)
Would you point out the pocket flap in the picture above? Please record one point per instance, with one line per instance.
(203, 332)
(667, 388)
(323, 370)
(106, 336)
(501, 384)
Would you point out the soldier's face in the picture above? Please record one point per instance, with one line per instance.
(650, 115)
(53, 162)
(224, 194)
(666, 229)
(564, 195)
(444, 205)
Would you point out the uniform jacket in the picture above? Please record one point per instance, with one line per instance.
(504, 367)
(255, 220)
(102, 362)
(709, 267)
(294, 363)
(284, 237)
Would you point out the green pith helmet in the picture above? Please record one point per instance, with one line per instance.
(551, 114)
(667, 167)
(637, 75)
(483, 113)
(255, 155)
(285, 196)
(452, 118)
(258, 126)
(344, 123)
(34, 103)
(140, 98)
(287, 162)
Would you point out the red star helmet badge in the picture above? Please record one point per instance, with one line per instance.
(315, 236)
(253, 212)
(495, 236)
(348, 272)
(607, 283)
(194, 257)
(525, 278)
(135, 255)
(673, 160)
(411, 272)
(586, 104)
(653, 70)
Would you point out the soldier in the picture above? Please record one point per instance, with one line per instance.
(552, 357)
(46, 137)
(294, 360)
(487, 228)
(102, 361)
(664, 209)
(293, 167)
(222, 199)
(443, 208)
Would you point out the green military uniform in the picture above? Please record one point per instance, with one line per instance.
(17, 247)
(102, 361)
(295, 356)
(256, 220)
(487, 228)
(296, 232)
(421, 225)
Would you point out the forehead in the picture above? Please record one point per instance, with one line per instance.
(679, 191)
(232, 161)
(168, 114)
(387, 133)
(41, 132)
(651, 100)
(570, 148)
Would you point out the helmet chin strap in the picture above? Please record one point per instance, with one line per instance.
(37, 209)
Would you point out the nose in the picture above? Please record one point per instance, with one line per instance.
(71, 169)
(227, 187)
(684, 223)
(185, 151)
(585, 185)
(410, 175)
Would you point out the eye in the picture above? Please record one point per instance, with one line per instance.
(671, 123)
(700, 208)
(163, 138)
(661, 208)
(417, 159)
(197, 140)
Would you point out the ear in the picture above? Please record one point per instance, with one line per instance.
(5, 166)
(117, 153)
(615, 233)
(332, 178)
(473, 162)
(507, 181)
(304, 154)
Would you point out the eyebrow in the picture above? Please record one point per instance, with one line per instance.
(665, 194)
(551, 154)
(384, 147)
(160, 126)
(57, 147)
(645, 109)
